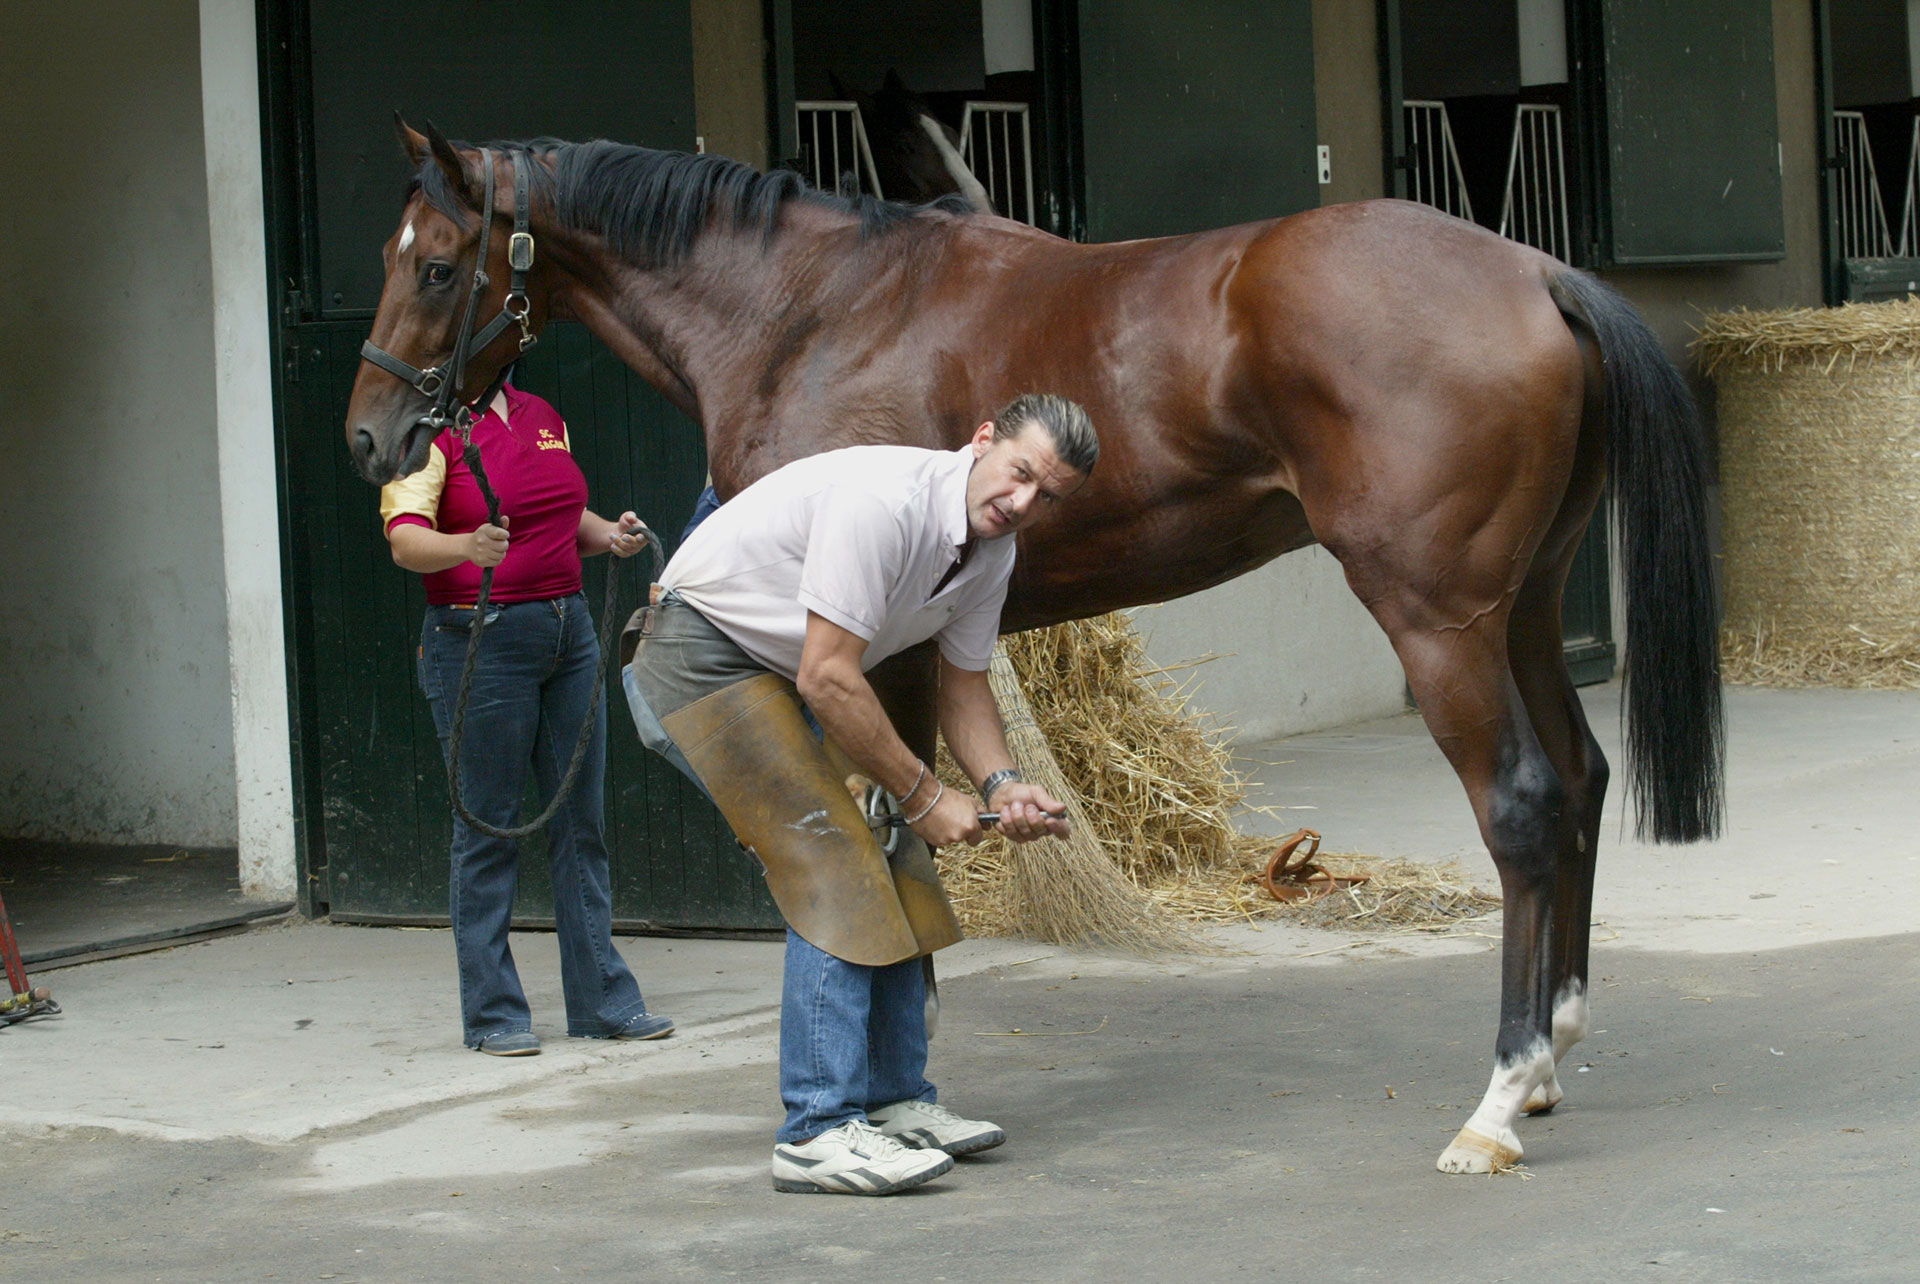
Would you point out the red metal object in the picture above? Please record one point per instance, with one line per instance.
(21, 1000)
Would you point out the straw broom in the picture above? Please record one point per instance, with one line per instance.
(1070, 891)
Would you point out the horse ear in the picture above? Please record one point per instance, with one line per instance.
(453, 165)
(412, 142)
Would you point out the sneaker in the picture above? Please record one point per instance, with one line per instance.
(510, 1043)
(854, 1159)
(930, 1126)
(647, 1025)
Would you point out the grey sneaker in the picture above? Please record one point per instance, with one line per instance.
(853, 1159)
(931, 1126)
(510, 1043)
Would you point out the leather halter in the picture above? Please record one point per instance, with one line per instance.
(443, 382)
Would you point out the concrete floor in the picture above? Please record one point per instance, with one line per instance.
(293, 1103)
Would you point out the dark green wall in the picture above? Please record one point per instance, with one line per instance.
(1196, 115)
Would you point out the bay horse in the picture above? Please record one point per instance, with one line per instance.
(1438, 407)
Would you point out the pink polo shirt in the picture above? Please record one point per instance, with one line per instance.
(529, 461)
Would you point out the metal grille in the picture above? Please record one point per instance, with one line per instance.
(1910, 206)
(1000, 154)
(1433, 162)
(833, 145)
(1535, 209)
(1861, 215)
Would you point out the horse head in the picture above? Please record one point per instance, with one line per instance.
(431, 259)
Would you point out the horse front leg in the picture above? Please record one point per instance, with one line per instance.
(1456, 664)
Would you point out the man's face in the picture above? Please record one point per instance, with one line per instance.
(1014, 480)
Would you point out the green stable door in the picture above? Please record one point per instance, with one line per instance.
(375, 822)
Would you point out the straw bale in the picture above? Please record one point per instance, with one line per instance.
(1819, 417)
(1825, 339)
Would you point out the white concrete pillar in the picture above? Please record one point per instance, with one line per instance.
(249, 505)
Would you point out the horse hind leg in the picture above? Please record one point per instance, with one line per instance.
(1538, 661)
(1454, 650)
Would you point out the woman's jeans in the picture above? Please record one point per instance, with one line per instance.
(532, 690)
(851, 1036)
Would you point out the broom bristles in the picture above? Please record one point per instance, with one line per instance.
(1069, 891)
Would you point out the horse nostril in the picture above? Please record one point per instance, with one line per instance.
(363, 445)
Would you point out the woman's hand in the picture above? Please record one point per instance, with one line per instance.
(487, 545)
(630, 535)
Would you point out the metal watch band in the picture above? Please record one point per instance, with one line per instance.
(996, 780)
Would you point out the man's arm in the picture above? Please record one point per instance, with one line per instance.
(835, 687)
(970, 720)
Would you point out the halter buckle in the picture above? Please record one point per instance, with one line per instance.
(520, 251)
(431, 380)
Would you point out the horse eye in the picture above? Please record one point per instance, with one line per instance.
(439, 273)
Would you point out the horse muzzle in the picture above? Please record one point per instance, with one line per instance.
(408, 453)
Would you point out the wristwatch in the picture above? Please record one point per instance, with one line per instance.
(996, 780)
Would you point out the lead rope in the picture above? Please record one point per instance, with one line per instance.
(471, 453)
(520, 259)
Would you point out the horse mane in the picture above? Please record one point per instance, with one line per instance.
(651, 206)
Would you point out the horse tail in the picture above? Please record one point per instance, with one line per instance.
(1675, 730)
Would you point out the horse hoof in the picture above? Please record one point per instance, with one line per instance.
(1475, 1152)
(1544, 1098)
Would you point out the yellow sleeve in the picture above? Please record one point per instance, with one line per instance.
(416, 494)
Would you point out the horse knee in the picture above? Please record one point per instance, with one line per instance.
(1525, 815)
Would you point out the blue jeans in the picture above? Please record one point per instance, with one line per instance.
(851, 1037)
(531, 692)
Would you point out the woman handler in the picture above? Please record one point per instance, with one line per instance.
(533, 686)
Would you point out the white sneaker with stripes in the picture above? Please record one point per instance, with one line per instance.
(854, 1159)
(930, 1126)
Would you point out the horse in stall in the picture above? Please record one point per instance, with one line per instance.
(1440, 408)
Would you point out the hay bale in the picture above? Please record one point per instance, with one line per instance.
(1819, 416)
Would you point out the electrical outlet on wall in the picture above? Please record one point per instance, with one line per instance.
(1326, 164)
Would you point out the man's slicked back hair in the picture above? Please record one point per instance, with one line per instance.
(1063, 421)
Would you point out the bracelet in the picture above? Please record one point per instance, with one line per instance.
(914, 788)
(914, 820)
(996, 780)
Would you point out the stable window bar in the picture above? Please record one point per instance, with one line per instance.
(1433, 162)
(1910, 211)
(1862, 216)
(831, 130)
(1002, 162)
(1534, 211)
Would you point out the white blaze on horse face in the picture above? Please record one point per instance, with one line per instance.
(963, 180)
(406, 238)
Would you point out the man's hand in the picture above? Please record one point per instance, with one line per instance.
(1024, 812)
(954, 819)
(487, 545)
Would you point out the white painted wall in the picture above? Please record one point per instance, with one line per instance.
(1297, 652)
(243, 400)
(113, 625)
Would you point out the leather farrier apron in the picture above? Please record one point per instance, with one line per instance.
(790, 797)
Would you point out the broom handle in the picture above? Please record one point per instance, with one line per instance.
(984, 817)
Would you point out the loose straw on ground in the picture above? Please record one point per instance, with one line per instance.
(1154, 794)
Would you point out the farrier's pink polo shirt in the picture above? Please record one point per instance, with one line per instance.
(542, 492)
